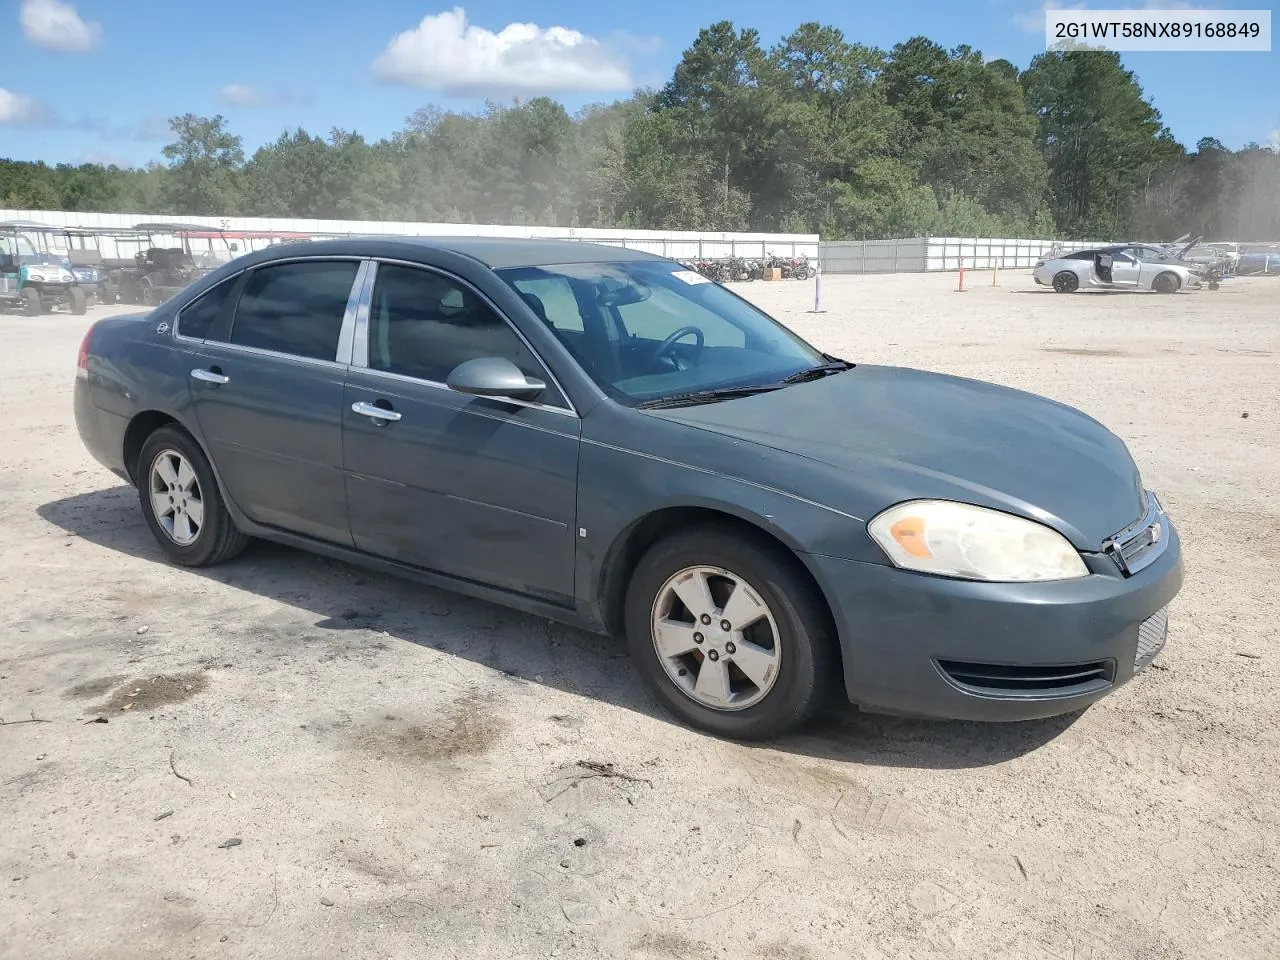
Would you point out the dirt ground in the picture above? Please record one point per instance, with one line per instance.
(290, 757)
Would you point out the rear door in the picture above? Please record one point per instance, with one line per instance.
(479, 488)
(268, 392)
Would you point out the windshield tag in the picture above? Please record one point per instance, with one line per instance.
(689, 277)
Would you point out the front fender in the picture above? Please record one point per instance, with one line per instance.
(619, 486)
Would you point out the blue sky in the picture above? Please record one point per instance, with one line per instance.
(95, 80)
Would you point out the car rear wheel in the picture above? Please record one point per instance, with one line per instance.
(1166, 283)
(1066, 282)
(146, 293)
(729, 634)
(181, 501)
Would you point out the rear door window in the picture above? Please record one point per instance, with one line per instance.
(295, 308)
(197, 318)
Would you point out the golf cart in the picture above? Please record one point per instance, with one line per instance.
(85, 258)
(210, 245)
(35, 280)
(158, 273)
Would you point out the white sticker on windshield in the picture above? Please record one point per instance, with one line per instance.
(688, 276)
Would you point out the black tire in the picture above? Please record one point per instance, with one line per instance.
(78, 301)
(1066, 282)
(1166, 283)
(146, 293)
(32, 305)
(802, 272)
(809, 663)
(217, 539)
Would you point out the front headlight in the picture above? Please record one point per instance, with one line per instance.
(974, 543)
(37, 277)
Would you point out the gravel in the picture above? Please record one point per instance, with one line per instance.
(425, 771)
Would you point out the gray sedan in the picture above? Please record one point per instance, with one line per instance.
(602, 437)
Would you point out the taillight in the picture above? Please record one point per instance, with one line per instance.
(82, 358)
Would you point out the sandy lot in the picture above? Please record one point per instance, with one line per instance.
(303, 759)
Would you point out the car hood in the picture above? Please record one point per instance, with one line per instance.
(901, 434)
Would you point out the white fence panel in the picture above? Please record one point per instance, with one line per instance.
(670, 243)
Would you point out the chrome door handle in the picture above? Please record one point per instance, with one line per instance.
(209, 376)
(374, 411)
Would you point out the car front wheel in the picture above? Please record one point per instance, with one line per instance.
(181, 502)
(1066, 282)
(730, 634)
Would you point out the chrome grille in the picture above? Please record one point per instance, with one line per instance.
(1152, 633)
(1141, 544)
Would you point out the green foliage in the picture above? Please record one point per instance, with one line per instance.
(816, 133)
(204, 166)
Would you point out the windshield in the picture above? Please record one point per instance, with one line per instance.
(649, 329)
(20, 247)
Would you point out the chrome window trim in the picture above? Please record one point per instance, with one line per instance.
(360, 337)
(360, 352)
(272, 354)
(346, 335)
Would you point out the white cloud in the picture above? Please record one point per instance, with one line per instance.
(1273, 139)
(18, 108)
(57, 26)
(242, 95)
(239, 95)
(446, 53)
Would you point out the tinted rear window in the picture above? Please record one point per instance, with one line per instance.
(197, 318)
(295, 308)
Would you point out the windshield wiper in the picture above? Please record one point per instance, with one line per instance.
(705, 396)
(834, 365)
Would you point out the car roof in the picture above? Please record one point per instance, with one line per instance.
(496, 253)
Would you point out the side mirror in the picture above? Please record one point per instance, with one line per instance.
(493, 377)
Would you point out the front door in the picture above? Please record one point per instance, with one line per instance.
(477, 488)
(268, 395)
(1125, 270)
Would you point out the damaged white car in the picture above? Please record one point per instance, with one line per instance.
(1126, 267)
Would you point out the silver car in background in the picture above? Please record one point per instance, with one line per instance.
(1124, 267)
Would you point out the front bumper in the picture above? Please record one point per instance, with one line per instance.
(935, 647)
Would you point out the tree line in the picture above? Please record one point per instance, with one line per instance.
(814, 134)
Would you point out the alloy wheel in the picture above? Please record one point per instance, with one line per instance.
(176, 499)
(716, 638)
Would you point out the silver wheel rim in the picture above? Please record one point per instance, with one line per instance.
(176, 500)
(716, 638)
